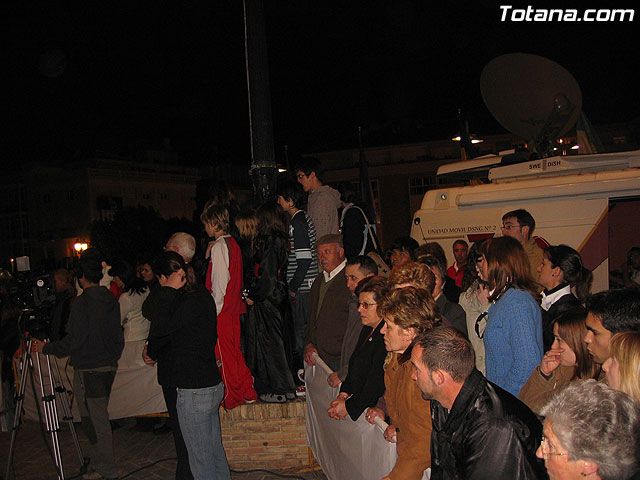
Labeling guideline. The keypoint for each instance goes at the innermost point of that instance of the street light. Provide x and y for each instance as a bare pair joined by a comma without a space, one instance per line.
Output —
80,247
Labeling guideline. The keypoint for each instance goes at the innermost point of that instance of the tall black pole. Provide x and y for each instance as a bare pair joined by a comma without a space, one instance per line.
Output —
263,165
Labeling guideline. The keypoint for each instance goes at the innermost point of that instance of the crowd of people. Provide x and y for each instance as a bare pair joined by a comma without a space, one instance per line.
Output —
496,366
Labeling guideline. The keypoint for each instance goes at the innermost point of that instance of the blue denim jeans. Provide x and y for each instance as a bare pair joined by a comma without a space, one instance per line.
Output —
200,425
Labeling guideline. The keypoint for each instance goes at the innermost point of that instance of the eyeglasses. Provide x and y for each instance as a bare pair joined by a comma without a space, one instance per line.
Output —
544,446
510,226
300,175
366,305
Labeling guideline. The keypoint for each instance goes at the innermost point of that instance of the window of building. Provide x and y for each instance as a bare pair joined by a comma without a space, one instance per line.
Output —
164,196
146,196
420,185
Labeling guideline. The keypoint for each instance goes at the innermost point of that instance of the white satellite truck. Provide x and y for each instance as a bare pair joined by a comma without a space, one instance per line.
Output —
584,201
569,197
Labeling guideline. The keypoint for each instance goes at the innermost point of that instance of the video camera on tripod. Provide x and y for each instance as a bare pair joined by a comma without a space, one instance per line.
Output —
34,295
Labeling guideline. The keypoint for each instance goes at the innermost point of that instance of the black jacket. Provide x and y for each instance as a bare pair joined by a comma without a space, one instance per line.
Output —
488,434
454,314
183,336
95,338
365,380
566,303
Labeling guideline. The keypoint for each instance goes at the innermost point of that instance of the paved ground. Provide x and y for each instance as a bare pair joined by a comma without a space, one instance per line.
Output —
140,455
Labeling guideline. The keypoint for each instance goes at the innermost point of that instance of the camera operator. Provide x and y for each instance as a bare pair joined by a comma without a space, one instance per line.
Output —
65,292
94,342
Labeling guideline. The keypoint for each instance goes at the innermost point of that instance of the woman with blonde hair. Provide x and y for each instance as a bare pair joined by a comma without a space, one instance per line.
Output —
513,337
623,367
407,312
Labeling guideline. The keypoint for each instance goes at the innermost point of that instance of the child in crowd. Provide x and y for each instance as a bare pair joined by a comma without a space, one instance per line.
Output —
224,282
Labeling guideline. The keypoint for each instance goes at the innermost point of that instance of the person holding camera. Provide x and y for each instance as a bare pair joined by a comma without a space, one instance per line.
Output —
94,342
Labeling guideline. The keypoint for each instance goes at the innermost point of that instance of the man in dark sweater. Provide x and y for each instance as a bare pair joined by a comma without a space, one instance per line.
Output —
328,304
94,343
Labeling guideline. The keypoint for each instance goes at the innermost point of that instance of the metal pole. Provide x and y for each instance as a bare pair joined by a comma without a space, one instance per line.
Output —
263,166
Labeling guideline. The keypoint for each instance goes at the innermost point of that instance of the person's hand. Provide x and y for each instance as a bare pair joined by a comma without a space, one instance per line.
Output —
37,345
550,361
309,350
249,301
390,434
176,280
146,358
334,380
338,409
292,294
372,413
482,292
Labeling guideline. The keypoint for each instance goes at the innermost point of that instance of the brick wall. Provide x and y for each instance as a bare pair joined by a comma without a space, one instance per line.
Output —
263,435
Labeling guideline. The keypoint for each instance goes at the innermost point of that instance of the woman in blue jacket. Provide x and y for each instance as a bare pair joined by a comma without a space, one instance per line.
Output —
513,337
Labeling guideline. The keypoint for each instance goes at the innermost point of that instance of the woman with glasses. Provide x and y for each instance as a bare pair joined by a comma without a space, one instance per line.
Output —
364,384
513,336
623,367
566,361
592,431
561,273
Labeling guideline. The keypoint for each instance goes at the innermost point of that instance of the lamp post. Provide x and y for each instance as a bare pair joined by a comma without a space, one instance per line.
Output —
80,247
263,165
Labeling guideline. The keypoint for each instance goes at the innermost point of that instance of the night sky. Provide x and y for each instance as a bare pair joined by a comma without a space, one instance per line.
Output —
120,77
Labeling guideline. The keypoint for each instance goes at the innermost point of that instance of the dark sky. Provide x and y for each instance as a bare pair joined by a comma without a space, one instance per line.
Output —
122,76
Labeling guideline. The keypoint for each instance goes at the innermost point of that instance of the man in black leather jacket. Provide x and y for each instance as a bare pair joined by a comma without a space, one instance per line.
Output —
479,430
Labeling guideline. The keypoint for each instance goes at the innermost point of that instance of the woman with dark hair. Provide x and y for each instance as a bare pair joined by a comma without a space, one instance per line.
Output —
474,301
566,361
364,384
560,273
268,329
513,337
247,225
182,337
131,368
134,293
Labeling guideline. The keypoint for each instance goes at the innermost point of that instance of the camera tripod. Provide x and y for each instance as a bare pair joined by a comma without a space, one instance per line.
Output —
51,420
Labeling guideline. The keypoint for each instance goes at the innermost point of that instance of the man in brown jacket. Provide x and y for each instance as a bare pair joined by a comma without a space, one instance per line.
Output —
328,304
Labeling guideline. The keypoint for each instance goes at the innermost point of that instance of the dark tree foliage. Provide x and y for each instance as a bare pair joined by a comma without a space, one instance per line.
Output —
135,233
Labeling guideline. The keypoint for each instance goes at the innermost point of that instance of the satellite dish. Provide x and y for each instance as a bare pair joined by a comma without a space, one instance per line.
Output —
532,97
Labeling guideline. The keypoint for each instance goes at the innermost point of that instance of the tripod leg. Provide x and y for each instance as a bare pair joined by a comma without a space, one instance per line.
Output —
26,363
51,416
57,382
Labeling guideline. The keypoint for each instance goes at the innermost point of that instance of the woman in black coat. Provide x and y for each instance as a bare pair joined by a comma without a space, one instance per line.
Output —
365,381
268,329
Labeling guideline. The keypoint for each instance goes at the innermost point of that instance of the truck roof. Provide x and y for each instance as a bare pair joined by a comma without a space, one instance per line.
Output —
559,165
